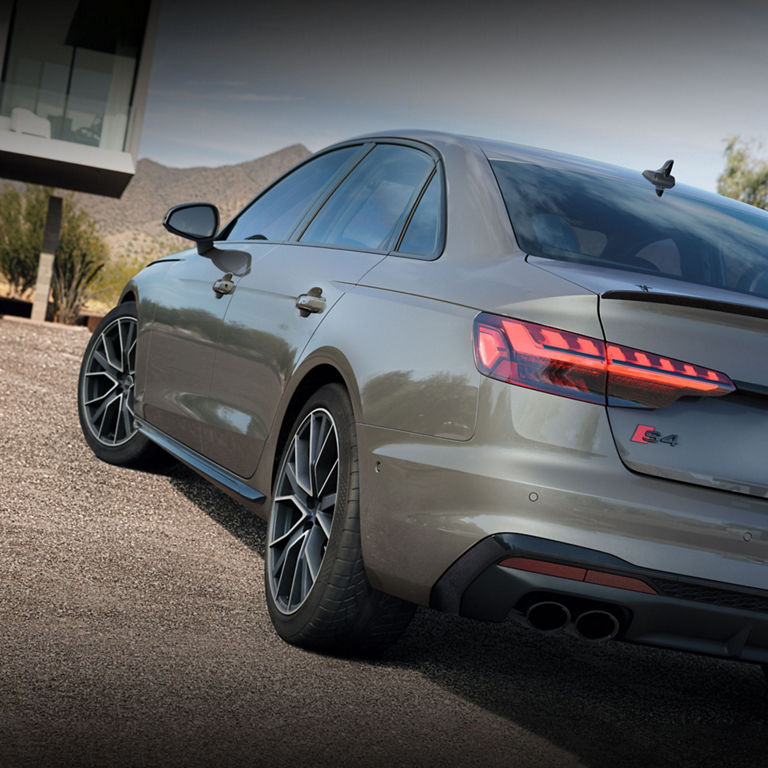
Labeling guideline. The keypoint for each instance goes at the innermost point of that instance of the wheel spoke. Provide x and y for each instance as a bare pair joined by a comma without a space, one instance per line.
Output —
301,464
298,572
121,345
324,521
290,475
100,412
129,345
328,476
314,550
322,442
127,417
103,361
106,406
109,354
297,536
290,532
104,394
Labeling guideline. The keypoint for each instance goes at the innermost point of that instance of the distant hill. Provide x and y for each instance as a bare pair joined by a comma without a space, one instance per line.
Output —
132,225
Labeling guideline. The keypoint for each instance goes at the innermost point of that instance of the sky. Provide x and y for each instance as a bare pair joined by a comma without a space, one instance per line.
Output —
632,84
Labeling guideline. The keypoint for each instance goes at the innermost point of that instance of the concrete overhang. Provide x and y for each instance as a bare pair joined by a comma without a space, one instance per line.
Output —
64,164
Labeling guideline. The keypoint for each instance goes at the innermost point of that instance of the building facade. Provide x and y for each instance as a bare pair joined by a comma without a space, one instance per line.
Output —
73,87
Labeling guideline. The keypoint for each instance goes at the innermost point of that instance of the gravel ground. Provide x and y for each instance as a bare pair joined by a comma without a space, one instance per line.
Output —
133,632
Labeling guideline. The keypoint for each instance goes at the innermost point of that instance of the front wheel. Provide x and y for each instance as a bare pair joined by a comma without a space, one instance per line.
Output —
105,393
317,591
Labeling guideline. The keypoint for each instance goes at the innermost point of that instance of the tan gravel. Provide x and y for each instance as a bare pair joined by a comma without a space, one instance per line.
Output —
133,632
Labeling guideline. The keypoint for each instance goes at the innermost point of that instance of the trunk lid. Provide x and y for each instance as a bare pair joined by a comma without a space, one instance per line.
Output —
719,442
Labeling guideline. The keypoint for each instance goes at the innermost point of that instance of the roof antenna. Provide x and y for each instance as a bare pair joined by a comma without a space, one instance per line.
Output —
662,178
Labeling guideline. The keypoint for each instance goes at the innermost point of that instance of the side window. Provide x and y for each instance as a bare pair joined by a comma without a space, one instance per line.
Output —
371,204
423,230
273,215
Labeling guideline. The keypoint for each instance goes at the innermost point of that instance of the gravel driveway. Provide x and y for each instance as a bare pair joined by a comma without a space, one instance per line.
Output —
133,632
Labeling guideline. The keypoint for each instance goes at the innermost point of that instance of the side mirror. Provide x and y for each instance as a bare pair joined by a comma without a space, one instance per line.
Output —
195,221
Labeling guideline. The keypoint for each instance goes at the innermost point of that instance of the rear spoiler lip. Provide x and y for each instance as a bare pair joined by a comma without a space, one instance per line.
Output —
681,300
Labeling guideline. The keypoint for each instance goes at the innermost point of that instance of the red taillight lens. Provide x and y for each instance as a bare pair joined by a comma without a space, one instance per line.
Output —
655,381
538,357
581,367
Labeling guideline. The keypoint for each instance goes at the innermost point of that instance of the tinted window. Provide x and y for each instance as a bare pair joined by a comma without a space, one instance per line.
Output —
273,215
421,236
618,221
370,205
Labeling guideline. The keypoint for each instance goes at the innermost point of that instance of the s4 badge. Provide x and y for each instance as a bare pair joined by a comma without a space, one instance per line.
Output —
645,433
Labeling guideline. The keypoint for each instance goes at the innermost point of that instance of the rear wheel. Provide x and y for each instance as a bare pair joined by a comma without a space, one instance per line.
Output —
105,393
317,592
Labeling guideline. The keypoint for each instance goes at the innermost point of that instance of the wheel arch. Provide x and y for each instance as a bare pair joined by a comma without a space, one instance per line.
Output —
311,375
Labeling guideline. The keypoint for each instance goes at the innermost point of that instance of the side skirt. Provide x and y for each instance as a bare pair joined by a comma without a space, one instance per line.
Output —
205,467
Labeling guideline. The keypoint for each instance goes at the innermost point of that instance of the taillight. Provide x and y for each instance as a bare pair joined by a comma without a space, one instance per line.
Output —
584,368
655,381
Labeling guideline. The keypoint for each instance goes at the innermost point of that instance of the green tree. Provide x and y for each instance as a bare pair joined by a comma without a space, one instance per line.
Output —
22,221
745,176
79,258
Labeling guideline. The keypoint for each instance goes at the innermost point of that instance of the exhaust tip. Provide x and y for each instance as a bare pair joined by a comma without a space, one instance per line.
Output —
597,625
548,616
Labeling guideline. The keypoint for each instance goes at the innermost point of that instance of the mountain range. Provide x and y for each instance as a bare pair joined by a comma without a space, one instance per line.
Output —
132,224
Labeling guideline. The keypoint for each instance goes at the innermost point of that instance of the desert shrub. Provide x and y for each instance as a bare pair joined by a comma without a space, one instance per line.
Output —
22,221
80,255
112,278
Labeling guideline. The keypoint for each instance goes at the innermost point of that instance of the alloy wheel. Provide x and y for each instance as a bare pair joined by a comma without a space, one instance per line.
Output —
302,512
108,384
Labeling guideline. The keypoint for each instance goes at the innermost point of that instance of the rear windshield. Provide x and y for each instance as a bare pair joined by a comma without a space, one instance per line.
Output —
620,222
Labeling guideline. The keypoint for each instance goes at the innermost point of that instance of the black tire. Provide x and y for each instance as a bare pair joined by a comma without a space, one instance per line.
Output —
105,394
334,609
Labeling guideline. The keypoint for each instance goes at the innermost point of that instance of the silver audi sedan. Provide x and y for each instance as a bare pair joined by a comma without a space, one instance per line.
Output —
451,372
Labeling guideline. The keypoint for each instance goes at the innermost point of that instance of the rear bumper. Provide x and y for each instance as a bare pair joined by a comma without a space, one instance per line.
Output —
674,612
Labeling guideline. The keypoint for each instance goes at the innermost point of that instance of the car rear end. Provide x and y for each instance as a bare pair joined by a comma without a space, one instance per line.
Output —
623,475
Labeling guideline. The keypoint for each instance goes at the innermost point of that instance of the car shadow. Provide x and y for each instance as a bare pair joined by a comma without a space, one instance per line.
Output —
613,705
248,527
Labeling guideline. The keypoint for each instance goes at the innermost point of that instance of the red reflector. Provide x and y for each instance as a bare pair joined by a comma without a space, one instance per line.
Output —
585,368
541,566
622,582
578,574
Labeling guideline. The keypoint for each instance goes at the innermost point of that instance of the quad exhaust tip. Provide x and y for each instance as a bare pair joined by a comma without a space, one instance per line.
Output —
548,616
596,625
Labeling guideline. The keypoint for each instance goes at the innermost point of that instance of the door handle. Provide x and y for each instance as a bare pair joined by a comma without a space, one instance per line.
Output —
224,285
312,301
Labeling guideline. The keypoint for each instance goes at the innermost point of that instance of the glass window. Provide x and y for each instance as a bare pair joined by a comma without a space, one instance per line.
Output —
371,204
274,214
423,229
70,68
619,222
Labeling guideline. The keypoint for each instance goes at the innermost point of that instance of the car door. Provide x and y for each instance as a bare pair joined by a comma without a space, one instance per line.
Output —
188,305
290,291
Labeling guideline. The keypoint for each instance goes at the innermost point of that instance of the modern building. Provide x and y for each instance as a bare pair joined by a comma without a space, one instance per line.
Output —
73,86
